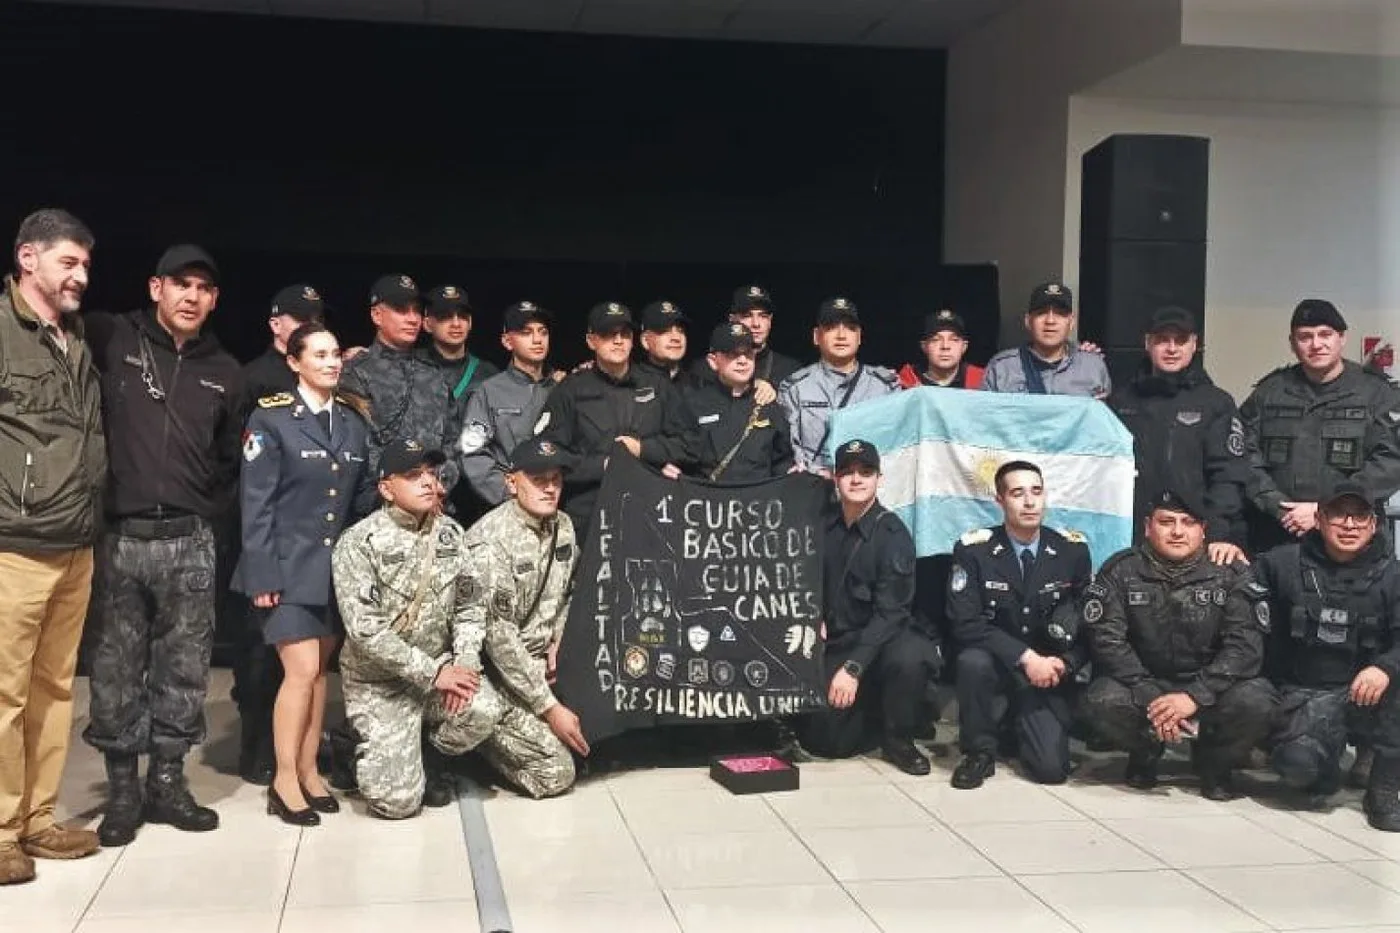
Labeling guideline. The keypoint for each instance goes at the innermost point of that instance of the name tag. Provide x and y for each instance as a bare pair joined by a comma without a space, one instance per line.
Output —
1137,599
998,585
816,404
507,411
353,458
313,455
212,385
707,419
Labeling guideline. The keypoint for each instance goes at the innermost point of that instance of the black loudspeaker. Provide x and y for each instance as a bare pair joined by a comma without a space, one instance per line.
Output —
1142,241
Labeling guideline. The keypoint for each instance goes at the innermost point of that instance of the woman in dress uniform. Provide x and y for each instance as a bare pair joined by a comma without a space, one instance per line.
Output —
305,478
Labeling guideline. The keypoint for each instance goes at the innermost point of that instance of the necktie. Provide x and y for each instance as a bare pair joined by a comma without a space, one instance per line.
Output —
325,418
1027,562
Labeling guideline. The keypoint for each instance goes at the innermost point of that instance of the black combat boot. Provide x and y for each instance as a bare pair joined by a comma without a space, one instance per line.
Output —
122,816
344,742
1142,767
440,789
1360,774
168,798
1382,800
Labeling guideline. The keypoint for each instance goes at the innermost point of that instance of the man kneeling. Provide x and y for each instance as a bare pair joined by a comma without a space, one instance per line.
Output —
412,650
523,555
1177,645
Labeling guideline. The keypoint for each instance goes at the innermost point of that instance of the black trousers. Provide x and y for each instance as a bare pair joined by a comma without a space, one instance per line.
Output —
1239,720
1311,728
1040,718
888,703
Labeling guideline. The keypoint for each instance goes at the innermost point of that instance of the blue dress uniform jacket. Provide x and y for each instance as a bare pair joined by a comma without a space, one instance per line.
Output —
299,489
992,607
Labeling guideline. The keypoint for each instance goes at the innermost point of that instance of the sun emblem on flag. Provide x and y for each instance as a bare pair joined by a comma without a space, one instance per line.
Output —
984,472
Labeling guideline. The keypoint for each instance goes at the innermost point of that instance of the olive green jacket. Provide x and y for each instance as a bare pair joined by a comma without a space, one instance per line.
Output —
53,454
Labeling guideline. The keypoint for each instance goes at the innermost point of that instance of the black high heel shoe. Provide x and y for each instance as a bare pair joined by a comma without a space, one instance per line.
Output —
277,807
326,804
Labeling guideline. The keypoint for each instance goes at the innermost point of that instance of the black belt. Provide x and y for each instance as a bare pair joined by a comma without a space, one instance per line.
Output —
158,529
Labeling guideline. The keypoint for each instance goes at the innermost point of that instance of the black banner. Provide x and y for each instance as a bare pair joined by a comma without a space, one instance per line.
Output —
695,603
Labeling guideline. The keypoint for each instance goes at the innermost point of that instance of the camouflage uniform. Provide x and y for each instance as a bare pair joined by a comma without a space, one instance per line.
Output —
408,397
522,613
390,660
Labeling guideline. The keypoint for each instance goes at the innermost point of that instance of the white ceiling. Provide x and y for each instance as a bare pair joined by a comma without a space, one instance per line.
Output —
903,23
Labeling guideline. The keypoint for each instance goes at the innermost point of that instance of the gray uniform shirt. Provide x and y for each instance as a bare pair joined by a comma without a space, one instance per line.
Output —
1079,373
501,413
811,394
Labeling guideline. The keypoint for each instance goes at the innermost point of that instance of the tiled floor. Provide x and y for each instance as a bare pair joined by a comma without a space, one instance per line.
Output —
860,848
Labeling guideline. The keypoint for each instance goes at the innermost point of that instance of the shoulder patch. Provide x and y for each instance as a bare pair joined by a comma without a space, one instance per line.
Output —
280,400
976,536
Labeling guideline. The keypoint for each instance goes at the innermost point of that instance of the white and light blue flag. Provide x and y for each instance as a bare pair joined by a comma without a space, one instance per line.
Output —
940,448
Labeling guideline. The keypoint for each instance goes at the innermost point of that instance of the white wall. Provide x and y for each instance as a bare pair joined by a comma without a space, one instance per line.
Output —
1352,27
1304,202
1009,84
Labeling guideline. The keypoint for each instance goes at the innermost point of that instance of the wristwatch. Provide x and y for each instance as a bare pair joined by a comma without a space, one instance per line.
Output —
853,668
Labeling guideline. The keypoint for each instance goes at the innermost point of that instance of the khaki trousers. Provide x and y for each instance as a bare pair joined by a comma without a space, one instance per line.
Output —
43,601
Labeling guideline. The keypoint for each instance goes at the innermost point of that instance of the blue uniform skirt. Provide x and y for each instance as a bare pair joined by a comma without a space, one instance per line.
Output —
292,622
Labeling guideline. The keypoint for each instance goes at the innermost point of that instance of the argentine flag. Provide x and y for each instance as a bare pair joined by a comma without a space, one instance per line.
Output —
940,448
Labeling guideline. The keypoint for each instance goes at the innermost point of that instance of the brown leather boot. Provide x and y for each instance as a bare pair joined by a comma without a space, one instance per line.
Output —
15,866
60,842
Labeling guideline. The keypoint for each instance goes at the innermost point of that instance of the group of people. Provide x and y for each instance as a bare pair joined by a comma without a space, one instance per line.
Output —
428,509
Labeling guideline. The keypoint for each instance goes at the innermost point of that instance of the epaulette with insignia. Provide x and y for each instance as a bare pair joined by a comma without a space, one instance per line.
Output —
1069,534
280,400
798,376
976,536
887,376
1255,590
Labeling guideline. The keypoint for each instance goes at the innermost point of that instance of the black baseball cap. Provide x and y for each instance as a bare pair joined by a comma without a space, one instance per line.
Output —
1315,312
609,317
857,453
396,291
1172,318
939,321
537,456
405,455
302,303
837,311
1347,489
662,316
1179,500
747,297
524,312
446,300
1050,295
730,338
187,256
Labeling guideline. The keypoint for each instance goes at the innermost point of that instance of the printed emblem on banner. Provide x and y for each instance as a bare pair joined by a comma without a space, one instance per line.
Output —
756,673
1189,418
727,634
665,665
959,582
1093,611
723,673
698,637
634,662
652,632
801,638
698,671
252,445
